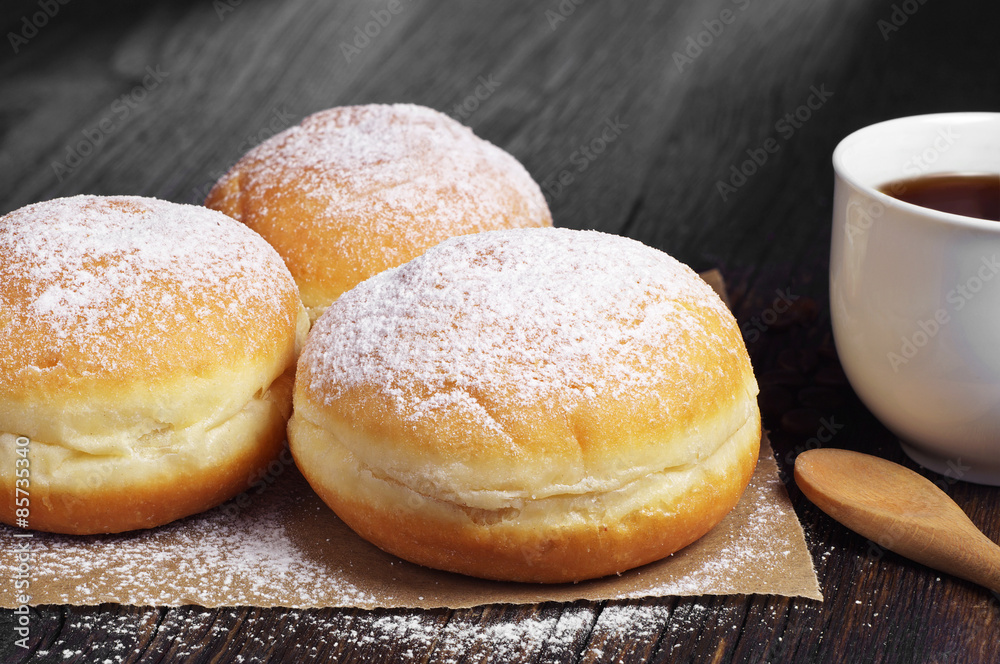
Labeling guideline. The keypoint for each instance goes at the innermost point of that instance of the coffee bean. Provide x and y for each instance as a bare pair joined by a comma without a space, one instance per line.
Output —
831,375
822,398
827,349
798,360
774,400
801,311
806,309
801,421
785,319
782,377
808,360
788,359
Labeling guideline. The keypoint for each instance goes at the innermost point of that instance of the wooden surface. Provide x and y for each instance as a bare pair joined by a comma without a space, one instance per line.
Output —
224,75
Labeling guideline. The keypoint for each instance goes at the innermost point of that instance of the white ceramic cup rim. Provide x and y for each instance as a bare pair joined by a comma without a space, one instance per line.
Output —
930,214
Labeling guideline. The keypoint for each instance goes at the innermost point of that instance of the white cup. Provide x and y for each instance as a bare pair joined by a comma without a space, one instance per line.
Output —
915,293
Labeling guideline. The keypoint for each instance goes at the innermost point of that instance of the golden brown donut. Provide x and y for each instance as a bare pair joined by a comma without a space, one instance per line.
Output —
541,405
147,352
354,190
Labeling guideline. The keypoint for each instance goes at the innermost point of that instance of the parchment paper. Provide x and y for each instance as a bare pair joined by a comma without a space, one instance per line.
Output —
279,545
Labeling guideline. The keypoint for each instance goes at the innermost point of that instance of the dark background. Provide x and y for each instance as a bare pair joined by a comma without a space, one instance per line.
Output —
232,72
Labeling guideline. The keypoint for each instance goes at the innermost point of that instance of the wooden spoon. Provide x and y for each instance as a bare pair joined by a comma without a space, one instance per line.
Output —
900,511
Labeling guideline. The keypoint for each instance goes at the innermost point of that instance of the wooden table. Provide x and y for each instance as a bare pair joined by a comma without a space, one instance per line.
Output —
159,98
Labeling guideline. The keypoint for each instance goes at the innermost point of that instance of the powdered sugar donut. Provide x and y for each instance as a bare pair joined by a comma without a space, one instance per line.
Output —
539,405
147,353
354,190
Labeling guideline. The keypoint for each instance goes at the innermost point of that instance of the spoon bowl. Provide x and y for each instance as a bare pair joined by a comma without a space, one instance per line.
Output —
899,510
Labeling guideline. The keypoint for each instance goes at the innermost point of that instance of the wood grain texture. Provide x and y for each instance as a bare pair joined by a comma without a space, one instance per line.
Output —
219,81
900,510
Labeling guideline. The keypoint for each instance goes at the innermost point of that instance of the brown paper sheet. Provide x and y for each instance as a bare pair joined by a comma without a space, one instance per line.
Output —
279,545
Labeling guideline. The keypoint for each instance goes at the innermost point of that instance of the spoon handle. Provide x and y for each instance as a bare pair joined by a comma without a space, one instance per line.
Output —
983,563
900,511
960,549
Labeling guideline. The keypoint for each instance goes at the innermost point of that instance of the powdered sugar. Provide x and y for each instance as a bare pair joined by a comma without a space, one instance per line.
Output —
573,632
739,558
240,553
278,545
453,641
531,314
385,158
371,186
83,272
567,632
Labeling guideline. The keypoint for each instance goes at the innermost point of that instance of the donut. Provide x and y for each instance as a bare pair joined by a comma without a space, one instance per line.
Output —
147,356
354,190
537,405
